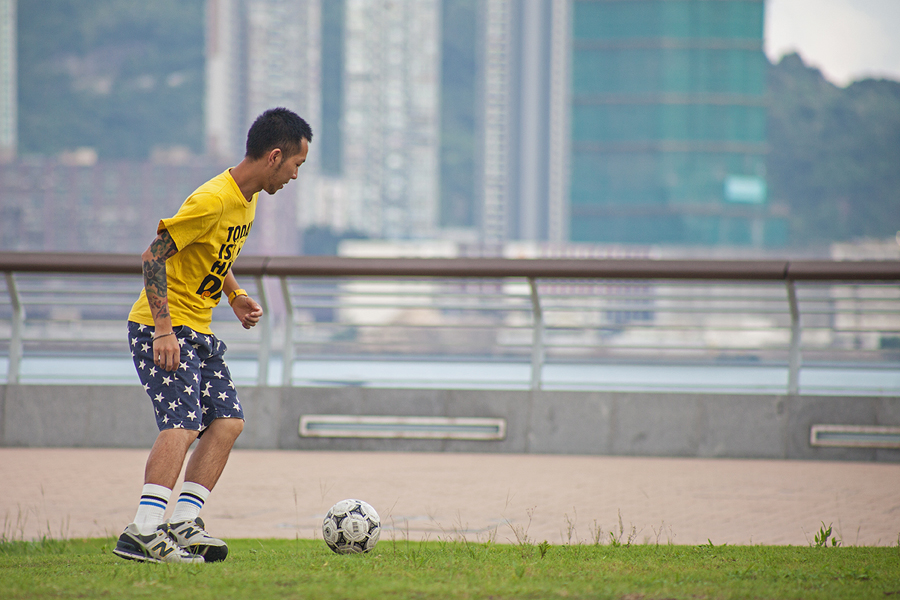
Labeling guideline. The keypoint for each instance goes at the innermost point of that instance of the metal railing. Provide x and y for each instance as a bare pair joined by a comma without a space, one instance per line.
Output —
536,312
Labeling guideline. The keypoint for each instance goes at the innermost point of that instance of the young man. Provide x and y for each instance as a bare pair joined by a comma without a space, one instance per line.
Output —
187,270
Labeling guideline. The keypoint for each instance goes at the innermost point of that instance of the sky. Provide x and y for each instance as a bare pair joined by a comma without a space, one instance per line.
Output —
847,40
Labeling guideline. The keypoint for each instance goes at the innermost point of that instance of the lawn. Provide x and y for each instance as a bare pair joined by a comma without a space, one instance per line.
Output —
269,569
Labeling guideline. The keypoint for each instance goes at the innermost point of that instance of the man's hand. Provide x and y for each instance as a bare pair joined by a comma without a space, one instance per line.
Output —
247,311
166,352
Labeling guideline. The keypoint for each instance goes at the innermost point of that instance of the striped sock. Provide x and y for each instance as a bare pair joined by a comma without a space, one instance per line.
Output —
190,501
152,508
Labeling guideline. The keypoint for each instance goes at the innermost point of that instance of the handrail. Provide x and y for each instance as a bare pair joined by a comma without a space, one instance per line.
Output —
283,267
555,268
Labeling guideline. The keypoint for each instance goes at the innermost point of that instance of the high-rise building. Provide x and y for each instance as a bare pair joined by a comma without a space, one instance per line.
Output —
263,54
8,87
390,124
668,123
524,129
377,172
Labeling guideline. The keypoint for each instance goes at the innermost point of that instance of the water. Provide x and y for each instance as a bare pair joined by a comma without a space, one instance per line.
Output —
738,379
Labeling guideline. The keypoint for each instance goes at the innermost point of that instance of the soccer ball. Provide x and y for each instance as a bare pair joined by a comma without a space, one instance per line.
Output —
351,526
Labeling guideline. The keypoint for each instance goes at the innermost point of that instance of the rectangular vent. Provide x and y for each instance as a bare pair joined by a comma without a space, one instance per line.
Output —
855,436
432,428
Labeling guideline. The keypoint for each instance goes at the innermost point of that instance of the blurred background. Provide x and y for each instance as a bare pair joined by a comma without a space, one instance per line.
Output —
520,128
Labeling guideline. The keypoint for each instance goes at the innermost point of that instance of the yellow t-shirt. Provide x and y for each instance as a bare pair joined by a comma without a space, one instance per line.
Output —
209,229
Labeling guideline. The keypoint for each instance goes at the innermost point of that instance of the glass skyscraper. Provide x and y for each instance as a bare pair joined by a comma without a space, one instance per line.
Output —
668,123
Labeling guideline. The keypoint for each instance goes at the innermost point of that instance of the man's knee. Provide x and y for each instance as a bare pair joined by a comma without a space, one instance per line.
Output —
229,427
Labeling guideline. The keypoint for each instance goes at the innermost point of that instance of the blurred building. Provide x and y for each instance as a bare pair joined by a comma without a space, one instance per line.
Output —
75,203
524,136
8,87
378,147
668,123
390,124
263,54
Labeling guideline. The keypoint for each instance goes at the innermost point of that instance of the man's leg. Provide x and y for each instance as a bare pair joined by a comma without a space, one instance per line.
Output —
203,471
167,456
209,457
146,538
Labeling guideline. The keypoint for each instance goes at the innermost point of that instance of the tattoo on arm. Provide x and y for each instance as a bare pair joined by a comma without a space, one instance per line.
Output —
155,283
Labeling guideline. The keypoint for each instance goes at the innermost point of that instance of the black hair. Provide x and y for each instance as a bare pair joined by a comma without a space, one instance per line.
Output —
277,128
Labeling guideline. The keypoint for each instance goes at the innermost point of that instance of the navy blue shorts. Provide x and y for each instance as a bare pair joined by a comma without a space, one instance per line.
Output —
195,394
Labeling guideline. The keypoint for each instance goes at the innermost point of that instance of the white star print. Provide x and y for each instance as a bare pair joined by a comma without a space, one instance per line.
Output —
178,426
231,384
133,341
202,363
167,380
190,354
219,374
183,366
152,371
193,334
189,390
165,418
145,348
196,378
206,393
192,416
173,404
146,387
142,364
237,406
158,398
204,409
142,327
223,395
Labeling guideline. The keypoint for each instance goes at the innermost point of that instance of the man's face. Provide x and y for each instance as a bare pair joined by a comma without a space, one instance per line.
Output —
284,168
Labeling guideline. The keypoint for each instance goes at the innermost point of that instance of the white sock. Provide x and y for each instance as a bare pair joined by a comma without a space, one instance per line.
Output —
190,501
152,508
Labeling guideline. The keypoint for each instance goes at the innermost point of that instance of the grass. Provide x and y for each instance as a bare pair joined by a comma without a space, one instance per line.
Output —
284,569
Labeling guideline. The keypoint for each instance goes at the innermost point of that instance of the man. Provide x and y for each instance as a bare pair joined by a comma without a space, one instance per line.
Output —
187,270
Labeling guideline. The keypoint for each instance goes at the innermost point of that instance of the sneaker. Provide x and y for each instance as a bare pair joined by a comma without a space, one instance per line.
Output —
157,547
192,536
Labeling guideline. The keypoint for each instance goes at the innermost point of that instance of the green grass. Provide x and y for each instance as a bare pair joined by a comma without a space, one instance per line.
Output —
263,569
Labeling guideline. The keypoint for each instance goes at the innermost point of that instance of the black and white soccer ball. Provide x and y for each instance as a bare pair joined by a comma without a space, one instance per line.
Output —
351,526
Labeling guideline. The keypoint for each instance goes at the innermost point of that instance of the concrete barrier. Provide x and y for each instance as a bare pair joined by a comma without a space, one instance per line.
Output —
543,422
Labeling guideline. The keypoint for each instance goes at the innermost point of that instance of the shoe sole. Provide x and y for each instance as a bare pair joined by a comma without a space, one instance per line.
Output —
134,556
130,554
209,553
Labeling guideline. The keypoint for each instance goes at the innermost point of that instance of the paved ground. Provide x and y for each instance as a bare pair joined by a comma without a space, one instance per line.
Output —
92,493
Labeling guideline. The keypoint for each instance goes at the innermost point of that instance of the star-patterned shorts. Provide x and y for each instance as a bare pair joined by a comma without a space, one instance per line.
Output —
195,394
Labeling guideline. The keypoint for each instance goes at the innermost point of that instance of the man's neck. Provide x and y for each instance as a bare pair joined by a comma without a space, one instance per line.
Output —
247,176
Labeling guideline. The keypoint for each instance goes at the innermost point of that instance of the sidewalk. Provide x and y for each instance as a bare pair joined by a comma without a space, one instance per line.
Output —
561,499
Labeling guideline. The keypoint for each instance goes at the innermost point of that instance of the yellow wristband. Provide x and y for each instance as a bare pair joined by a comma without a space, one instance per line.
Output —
235,294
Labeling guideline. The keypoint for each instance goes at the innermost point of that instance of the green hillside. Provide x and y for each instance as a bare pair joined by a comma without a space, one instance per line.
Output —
117,75
835,154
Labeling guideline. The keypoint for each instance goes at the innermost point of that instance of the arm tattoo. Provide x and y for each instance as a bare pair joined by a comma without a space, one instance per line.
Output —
155,283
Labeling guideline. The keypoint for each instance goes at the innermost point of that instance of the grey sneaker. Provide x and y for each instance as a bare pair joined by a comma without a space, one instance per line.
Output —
192,536
157,547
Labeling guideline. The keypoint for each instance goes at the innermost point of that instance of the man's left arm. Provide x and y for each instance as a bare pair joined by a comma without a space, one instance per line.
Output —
245,308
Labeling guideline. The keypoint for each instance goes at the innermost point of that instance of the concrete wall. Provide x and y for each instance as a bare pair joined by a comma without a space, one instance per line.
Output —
602,423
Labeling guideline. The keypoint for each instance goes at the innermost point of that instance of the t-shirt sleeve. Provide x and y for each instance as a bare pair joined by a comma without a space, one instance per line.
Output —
196,217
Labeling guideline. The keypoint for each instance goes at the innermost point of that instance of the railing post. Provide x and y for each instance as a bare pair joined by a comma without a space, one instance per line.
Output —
265,335
537,336
18,322
794,356
287,353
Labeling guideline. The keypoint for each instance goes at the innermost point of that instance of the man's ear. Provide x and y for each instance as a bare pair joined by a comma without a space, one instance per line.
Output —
274,157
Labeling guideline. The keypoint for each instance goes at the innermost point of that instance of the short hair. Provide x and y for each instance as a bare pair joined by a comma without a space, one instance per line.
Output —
277,128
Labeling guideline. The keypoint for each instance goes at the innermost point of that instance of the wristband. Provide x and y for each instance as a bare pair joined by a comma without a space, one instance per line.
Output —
162,335
235,294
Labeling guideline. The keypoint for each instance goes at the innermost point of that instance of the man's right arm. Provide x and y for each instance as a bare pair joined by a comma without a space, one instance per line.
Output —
166,350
